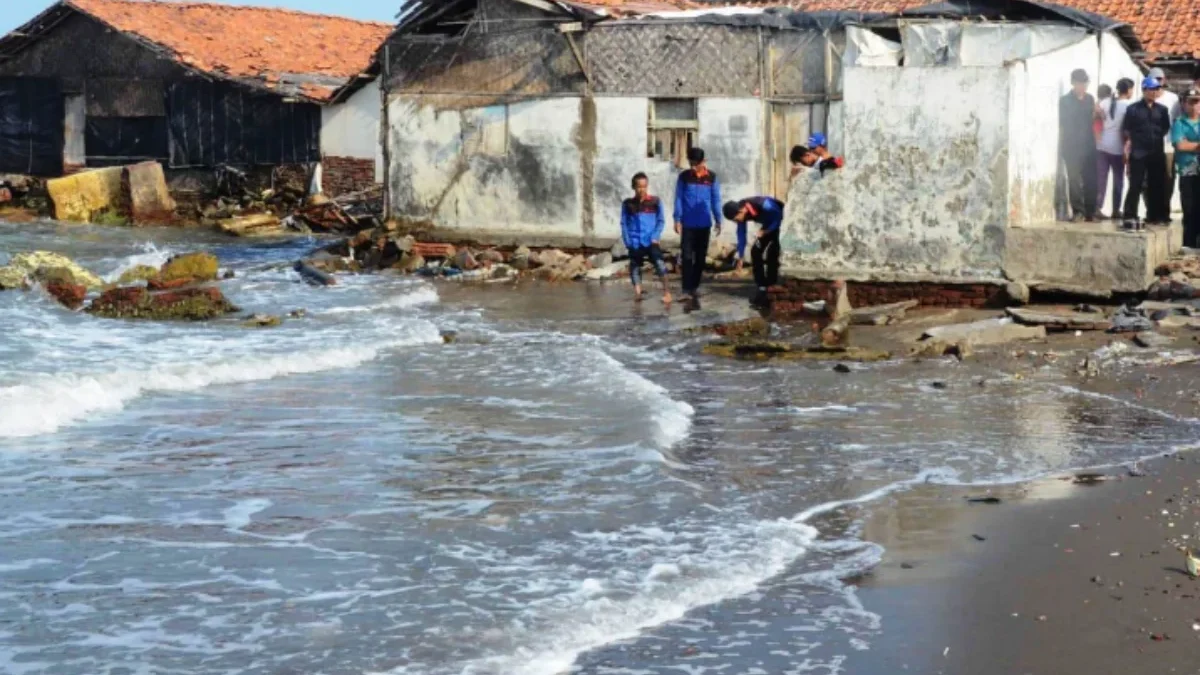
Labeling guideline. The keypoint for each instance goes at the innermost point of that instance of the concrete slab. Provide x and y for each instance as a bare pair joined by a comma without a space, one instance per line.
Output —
986,332
1060,320
1097,256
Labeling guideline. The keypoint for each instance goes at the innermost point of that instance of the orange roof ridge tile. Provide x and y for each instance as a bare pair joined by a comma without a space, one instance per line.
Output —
81,4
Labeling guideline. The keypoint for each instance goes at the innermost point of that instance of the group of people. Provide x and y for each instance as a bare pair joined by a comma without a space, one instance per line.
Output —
698,213
1153,142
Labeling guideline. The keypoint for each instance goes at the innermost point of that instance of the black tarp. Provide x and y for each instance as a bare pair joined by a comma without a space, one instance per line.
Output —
31,126
110,141
212,123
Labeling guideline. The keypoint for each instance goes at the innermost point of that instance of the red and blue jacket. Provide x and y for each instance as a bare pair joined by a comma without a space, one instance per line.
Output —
641,221
698,199
766,211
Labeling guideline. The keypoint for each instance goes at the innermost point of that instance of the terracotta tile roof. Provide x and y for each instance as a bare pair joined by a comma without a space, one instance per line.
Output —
633,7
291,52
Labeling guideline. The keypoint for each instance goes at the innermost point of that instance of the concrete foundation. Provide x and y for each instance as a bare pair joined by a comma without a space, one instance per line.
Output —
1088,255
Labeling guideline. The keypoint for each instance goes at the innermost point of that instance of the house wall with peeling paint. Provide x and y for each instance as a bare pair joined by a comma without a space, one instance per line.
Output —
925,188
553,169
351,128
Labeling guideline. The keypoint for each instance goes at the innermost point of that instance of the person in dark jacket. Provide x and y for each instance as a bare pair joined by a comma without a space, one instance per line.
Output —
642,223
764,256
697,210
1146,122
1077,112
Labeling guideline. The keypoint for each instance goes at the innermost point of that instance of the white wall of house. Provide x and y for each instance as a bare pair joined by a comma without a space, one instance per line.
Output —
924,191
351,128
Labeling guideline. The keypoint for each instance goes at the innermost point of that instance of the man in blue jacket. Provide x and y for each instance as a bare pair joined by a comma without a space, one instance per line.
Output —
642,224
767,212
697,209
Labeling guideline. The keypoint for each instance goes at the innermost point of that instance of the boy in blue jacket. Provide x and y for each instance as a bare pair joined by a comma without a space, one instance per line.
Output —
697,209
642,224
767,212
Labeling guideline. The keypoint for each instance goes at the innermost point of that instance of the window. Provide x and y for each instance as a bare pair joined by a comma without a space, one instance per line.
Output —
672,129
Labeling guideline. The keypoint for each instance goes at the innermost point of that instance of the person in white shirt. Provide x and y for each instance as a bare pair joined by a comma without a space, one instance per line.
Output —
1170,101
1110,146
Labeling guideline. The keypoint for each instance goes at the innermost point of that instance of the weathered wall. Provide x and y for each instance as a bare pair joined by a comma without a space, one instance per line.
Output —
351,129
924,189
1036,84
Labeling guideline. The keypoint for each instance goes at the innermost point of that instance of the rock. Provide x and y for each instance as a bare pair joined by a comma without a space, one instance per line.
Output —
1059,321
1017,293
837,333
984,333
719,252
409,263
79,196
1166,289
1152,340
881,315
841,304
13,278
619,251
609,271
842,368
298,313
137,273
1053,288
571,268
1179,321
465,261
33,262
746,328
228,274
262,321
433,251
248,226
550,257
600,260
69,295
190,304
490,257
520,259
312,275
761,350
149,200
405,244
157,284
195,267
1129,320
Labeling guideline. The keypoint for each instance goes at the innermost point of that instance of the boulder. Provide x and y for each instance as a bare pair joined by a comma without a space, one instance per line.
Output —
465,260
986,332
34,262
195,267
69,295
619,251
520,259
405,244
573,268
313,276
13,277
137,273
81,195
189,304
1167,289
550,257
149,200
253,225
409,263
600,260
1152,340
1017,293
490,257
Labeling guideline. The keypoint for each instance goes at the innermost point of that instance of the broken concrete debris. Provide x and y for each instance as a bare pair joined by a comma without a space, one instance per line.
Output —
881,315
985,332
1058,321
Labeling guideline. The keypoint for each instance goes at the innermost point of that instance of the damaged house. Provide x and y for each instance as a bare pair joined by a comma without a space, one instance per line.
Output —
93,83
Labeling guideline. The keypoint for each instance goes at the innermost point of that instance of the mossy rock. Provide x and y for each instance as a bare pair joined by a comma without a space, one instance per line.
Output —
109,217
34,261
738,330
188,304
138,273
194,266
13,278
763,350
263,321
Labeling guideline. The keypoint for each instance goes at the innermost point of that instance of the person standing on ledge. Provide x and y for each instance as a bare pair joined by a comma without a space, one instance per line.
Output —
1168,100
1146,122
1185,134
1077,146
764,256
697,210
642,223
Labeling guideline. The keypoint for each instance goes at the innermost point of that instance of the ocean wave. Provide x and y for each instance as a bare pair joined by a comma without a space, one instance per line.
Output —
672,418
423,295
150,255
47,404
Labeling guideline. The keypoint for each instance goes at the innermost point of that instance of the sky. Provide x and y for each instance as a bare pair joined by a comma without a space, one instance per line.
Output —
17,12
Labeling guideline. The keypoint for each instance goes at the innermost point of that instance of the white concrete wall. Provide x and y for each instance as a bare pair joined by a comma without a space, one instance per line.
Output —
924,190
351,129
1036,85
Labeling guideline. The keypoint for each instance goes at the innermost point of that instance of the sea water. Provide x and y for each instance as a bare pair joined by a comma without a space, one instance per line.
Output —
567,486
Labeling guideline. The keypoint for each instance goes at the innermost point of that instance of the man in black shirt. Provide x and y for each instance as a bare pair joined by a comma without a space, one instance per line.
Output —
1146,123
1077,146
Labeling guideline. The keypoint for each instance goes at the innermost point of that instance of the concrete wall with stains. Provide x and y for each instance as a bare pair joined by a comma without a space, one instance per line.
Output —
552,170
924,191
351,129
1036,84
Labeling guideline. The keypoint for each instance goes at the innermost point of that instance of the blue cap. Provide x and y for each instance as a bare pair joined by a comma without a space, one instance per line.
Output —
1151,83
817,140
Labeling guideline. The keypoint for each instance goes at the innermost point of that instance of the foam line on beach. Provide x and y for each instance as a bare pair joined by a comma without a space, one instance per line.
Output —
423,295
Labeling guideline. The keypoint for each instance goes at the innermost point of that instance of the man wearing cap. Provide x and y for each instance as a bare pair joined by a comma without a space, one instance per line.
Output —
1168,100
697,209
1145,124
825,159
1077,146
767,212
1185,134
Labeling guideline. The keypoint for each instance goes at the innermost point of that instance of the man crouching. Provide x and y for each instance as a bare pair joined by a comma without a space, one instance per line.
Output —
764,256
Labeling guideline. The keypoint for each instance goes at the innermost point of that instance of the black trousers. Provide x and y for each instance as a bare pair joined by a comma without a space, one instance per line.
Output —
1189,194
1169,191
764,256
1082,183
693,251
1150,173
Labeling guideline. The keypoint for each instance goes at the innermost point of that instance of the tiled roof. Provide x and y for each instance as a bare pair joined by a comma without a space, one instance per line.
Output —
633,7
291,52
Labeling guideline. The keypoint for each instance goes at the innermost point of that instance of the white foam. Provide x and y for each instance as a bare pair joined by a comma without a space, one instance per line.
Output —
672,419
423,295
150,255
241,514
48,403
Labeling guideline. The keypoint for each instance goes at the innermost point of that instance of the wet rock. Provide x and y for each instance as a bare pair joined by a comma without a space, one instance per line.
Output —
405,244
229,274
195,267
550,257
1152,340
331,264
984,333
138,273
298,313
600,260
312,275
490,257
881,315
35,262
609,271
841,304
566,270
259,224
1017,293
1130,320
409,263
150,201
157,284
764,349
465,260
12,278
837,333
68,294
1060,321
741,330
520,258
79,196
189,304
1169,289
262,321
449,337
842,368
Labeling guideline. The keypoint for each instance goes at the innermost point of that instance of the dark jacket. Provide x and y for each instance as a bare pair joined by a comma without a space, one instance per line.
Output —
1075,117
697,199
766,211
641,221
1145,125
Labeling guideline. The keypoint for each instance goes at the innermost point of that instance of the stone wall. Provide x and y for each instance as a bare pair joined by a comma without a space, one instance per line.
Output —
343,175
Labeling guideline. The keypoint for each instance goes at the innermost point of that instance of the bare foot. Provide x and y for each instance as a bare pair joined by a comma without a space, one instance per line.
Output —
666,299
